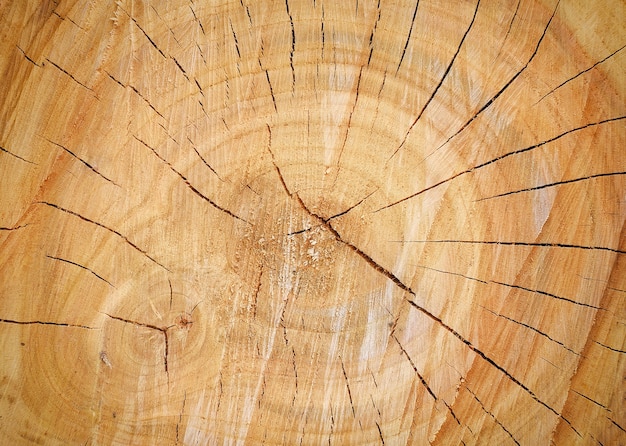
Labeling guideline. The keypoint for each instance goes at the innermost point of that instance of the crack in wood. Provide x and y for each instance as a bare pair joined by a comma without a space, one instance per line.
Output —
162,330
443,78
55,324
89,166
81,266
581,73
2,149
189,185
530,327
506,85
495,419
345,375
408,38
508,243
100,225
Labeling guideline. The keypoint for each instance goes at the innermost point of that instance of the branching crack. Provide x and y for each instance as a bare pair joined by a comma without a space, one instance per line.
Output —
162,330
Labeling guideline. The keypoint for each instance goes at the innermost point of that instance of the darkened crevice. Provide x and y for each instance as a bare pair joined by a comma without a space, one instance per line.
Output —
423,381
189,185
501,157
89,166
83,267
506,85
162,330
508,243
530,327
70,75
557,183
498,422
408,37
56,324
443,78
345,375
581,73
100,225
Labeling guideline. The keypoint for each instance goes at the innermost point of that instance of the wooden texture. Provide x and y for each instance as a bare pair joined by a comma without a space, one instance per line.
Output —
312,222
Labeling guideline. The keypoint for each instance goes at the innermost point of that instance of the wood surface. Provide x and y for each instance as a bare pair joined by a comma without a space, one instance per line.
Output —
312,222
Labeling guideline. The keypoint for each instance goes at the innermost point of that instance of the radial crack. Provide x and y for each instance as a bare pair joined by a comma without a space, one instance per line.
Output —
56,324
443,78
507,85
189,185
83,267
100,225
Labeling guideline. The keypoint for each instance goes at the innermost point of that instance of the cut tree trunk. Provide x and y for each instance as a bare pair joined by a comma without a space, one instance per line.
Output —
313,222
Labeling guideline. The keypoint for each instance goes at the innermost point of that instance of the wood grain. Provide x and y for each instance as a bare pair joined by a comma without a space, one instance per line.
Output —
313,222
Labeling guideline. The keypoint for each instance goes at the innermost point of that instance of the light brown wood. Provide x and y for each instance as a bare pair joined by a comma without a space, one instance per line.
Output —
312,222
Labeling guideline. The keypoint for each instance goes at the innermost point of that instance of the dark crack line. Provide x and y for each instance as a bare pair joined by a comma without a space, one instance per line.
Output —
197,20
371,41
356,99
181,69
388,274
28,58
530,327
17,156
610,348
380,433
137,92
72,77
617,425
56,324
544,293
180,417
452,274
505,243
508,31
493,416
501,157
342,213
162,330
408,38
580,74
203,160
100,225
485,357
14,228
293,47
146,34
423,381
592,400
558,183
89,166
443,78
81,266
189,185
506,86
345,375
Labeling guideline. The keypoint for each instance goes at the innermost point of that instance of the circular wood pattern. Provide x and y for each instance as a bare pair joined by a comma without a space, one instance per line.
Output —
313,222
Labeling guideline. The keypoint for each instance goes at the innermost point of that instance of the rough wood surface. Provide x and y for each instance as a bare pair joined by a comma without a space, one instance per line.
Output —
312,222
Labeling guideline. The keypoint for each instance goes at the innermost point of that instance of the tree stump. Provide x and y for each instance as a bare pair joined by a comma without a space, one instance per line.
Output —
313,222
